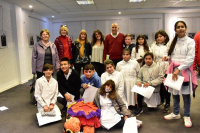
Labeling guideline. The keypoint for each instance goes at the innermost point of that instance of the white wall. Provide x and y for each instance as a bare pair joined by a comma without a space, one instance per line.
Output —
15,60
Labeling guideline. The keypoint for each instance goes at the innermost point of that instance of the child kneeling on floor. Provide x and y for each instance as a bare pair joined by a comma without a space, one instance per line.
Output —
149,75
46,91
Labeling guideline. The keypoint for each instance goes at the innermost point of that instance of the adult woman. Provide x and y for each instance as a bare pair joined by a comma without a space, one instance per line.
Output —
116,76
81,51
181,53
44,52
64,43
97,44
111,105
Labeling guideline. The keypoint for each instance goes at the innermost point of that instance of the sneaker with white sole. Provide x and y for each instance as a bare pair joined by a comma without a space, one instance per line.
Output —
172,116
187,121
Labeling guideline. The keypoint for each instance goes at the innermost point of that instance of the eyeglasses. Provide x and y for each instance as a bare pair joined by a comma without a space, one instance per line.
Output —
63,26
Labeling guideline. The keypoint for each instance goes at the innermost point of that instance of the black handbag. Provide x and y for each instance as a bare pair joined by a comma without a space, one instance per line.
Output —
3,40
32,91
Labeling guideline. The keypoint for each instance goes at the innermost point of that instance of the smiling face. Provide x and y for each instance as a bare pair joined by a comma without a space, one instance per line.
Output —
64,66
148,60
128,40
63,32
45,36
160,38
98,36
110,68
48,73
141,41
88,73
180,29
83,36
126,56
114,28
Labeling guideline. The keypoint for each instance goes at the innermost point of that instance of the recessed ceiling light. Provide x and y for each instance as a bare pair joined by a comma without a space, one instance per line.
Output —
85,2
137,0
119,13
180,10
30,6
52,16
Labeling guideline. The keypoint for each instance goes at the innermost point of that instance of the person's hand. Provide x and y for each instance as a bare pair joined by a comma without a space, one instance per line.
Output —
68,97
175,75
165,58
146,85
46,109
196,72
85,86
51,107
125,117
139,84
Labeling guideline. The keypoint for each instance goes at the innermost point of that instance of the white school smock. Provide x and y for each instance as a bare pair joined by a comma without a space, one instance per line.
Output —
109,116
130,70
46,92
117,77
159,51
183,53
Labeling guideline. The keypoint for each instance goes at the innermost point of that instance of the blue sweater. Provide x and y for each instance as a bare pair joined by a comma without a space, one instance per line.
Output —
95,80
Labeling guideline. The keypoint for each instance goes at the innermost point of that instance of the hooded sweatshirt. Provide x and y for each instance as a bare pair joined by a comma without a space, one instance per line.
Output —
95,80
151,74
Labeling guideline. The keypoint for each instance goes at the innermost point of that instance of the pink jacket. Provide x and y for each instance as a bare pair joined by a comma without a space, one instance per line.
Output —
184,73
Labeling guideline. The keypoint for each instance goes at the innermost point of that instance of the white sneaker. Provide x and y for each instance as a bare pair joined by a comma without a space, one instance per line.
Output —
187,121
172,116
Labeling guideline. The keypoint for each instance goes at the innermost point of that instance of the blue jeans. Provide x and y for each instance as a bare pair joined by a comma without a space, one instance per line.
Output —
187,102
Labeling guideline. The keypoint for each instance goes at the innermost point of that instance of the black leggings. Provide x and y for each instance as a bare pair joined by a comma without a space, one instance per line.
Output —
139,100
120,123
164,94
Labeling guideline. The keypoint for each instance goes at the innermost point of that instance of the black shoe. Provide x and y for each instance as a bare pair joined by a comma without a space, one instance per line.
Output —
138,111
166,108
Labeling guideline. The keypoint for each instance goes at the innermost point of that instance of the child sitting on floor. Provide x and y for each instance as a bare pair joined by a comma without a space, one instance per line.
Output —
149,75
89,77
46,90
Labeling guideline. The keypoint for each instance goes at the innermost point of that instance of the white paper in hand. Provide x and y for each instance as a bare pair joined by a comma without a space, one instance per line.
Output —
89,94
174,84
146,92
72,97
130,125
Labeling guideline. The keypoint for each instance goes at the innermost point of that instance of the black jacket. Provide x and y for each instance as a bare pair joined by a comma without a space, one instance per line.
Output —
72,85
87,53
130,46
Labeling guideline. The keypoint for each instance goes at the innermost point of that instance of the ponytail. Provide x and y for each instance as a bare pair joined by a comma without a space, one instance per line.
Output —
173,44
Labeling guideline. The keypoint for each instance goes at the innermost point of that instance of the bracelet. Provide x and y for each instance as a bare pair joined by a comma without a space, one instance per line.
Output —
52,104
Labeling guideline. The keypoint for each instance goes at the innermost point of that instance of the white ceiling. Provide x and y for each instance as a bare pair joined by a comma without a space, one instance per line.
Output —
70,8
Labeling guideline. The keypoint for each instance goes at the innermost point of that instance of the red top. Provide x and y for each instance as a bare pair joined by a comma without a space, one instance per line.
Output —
197,51
113,46
64,41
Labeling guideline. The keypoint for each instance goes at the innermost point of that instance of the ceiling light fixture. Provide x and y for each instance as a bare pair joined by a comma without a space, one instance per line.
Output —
30,6
119,13
137,0
85,2
180,10
52,16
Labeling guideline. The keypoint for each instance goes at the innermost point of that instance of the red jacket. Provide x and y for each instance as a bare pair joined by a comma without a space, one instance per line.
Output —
60,48
197,51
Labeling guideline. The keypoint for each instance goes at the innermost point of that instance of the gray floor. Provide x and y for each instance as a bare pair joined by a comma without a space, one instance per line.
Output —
21,118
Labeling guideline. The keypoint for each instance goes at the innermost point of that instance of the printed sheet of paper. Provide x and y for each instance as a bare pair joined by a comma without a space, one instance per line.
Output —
130,125
146,92
42,120
174,84
72,97
89,94
3,108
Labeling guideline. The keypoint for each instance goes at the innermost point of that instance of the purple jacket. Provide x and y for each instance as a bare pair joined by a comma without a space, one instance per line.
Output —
38,57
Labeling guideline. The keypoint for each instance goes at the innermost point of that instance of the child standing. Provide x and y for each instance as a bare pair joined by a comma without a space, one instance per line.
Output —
89,77
81,51
46,90
181,53
140,49
129,68
149,75
159,50
128,39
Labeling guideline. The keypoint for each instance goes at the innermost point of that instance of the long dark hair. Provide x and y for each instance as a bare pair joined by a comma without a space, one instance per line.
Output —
146,46
112,94
94,40
173,44
163,33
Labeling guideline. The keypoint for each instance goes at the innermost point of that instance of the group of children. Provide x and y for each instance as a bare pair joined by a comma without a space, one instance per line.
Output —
140,65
